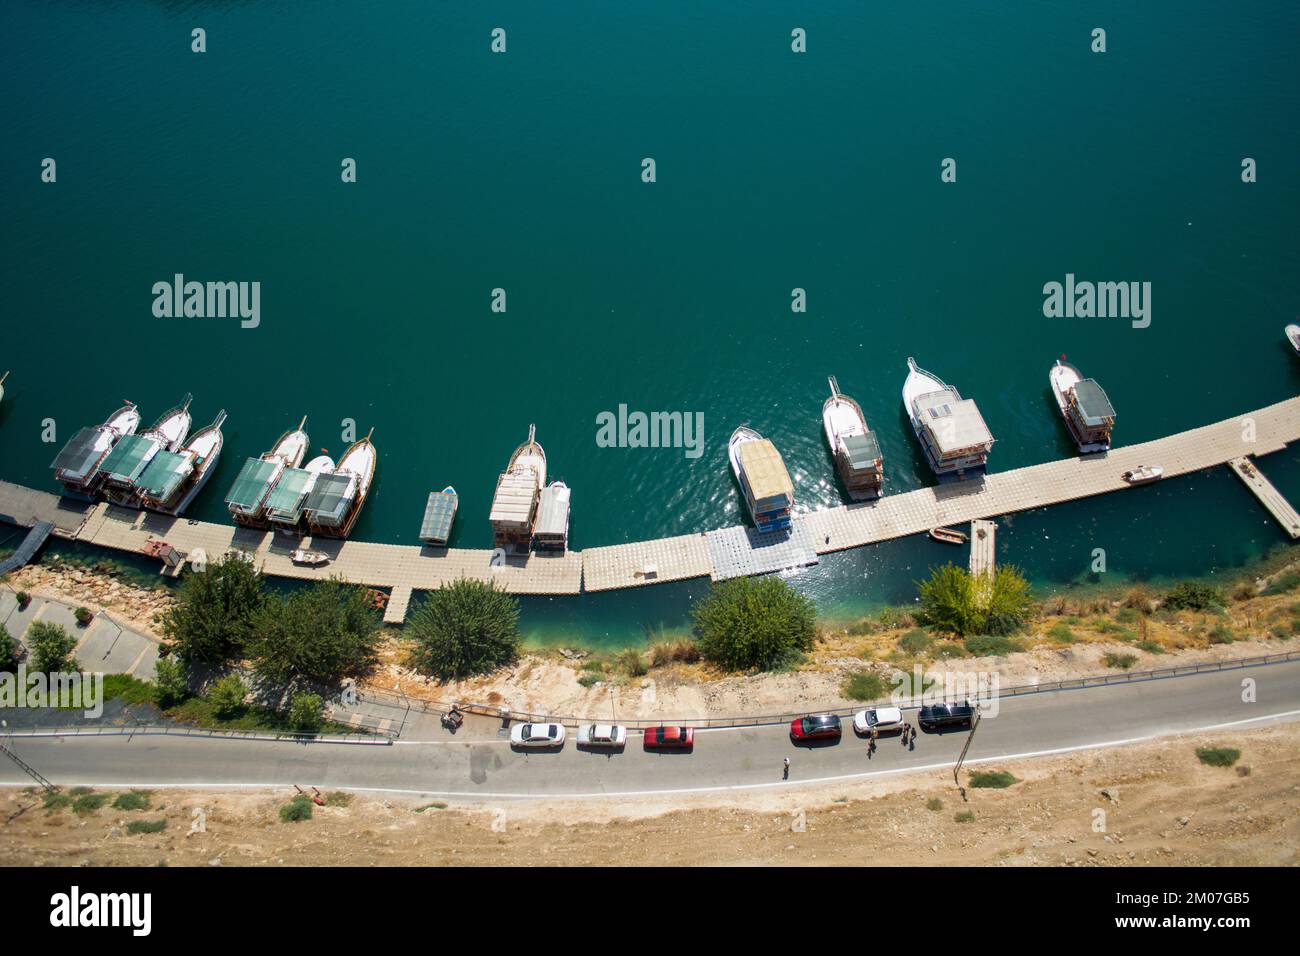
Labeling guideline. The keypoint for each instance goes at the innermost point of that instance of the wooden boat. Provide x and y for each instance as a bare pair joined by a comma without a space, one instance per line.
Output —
303,556
949,535
1084,406
1143,473
761,472
950,428
552,530
77,465
246,501
172,478
132,454
284,506
1293,336
439,516
854,448
519,488
337,497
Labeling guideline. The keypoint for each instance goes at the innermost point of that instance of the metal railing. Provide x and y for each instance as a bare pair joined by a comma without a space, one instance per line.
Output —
129,730
504,713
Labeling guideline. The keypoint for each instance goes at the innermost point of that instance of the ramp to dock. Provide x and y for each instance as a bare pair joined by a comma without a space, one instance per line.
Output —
398,602
742,551
1268,495
983,547
34,539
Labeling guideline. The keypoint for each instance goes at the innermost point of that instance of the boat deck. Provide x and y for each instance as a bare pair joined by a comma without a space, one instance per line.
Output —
1268,495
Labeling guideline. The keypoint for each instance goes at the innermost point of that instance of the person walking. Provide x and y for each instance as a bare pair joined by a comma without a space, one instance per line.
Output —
785,770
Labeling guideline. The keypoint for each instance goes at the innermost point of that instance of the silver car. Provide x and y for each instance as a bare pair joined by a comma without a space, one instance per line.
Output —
537,735
602,735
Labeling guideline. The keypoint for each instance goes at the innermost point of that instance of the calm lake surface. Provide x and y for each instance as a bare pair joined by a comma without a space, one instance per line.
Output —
775,171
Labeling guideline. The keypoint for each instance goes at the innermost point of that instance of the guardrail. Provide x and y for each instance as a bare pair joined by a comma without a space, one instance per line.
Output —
506,714
127,730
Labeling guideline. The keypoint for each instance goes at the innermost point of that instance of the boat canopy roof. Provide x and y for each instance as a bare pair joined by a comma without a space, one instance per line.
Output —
765,470
1094,406
250,485
439,514
286,500
128,458
83,451
330,497
553,512
165,472
513,502
955,423
864,450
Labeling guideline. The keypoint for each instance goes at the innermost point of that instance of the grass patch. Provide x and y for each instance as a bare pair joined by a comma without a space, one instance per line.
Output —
201,712
1286,581
338,798
965,816
299,808
681,651
1126,615
87,803
864,685
934,803
56,801
135,800
992,645
1150,646
1121,661
1061,634
1218,756
1222,634
947,650
992,780
915,642
431,806
590,680
136,827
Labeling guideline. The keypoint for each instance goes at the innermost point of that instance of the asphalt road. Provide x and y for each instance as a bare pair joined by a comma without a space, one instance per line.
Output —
477,763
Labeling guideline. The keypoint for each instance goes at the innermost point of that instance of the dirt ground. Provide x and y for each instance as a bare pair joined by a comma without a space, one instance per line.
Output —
1147,804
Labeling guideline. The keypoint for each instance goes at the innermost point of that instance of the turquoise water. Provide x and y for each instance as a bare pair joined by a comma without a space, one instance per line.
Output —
775,171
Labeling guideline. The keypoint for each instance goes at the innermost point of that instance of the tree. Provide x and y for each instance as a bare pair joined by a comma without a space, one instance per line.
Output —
465,628
318,635
953,600
227,696
306,713
753,623
1193,596
8,650
210,622
172,679
52,648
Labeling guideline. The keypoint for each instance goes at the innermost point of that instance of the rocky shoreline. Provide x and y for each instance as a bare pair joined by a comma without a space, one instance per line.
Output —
139,606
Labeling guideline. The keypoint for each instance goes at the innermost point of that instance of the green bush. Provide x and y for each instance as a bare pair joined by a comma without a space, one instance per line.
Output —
753,623
955,601
946,650
1222,634
1193,596
87,803
864,685
590,679
1121,661
1218,756
8,650
171,678
681,651
630,661
227,696
465,628
965,816
992,780
934,803
83,616
915,641
136,827
297,809
1286,581
306,713
992,645
1150,646
211,620
318,635
51,647
1062,634
135,800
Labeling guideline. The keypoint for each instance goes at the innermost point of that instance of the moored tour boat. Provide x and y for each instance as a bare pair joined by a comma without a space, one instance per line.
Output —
172,478
950,428
1143,473
761,472
337,497
77,465
439,516
519,488
1084,406
132,454
854,447
248,496
284,506
1293,336
552,530
2,385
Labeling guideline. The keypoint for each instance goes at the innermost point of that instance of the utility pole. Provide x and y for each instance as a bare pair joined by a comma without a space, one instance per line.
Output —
27,768
975,722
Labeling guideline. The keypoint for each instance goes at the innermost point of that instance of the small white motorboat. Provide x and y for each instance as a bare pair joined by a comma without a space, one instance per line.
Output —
1143,473
1293,336
303,556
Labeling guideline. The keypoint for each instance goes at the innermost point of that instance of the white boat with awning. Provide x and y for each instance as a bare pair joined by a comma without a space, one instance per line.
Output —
951,430
284,506
247,499
336,497
514,504
132,454
77,465
853,445
172,479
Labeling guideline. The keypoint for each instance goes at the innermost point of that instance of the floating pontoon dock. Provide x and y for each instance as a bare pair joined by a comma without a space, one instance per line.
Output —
983,547
405,569
1268,495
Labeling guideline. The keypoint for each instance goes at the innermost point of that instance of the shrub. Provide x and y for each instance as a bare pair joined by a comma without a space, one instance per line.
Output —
227,696
297,809
318,635
86,803
753,623
210,622
681,651
631,662
465,628
965,816
51,647
992,645
1150,646
1193,596
915,641
136,827
1139,599
8,650
892,618
590,680
952,600
945,650
306,713
1222,634
23,598
1121,661
992,779
1218,756
338,798
1062,634
864,685
135,800
1286,581
171,678
934,803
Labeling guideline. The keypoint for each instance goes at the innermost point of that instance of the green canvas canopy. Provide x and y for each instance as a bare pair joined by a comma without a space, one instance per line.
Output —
165,472
1094,406
82,452
286,500
864,450
330,498
128,458
439,513
251,485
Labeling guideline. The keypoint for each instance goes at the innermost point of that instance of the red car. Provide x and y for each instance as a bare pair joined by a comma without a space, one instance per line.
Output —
669,738
815,727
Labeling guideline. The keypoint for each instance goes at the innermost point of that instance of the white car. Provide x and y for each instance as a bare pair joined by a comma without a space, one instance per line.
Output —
537,735
880,719
602,735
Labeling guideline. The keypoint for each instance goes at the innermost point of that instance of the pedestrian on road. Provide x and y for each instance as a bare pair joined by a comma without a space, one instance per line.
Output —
785,775
907,728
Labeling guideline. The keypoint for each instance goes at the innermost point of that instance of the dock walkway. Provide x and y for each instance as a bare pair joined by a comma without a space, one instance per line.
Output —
1268,495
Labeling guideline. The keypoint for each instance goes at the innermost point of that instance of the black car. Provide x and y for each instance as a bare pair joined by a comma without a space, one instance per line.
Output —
939,716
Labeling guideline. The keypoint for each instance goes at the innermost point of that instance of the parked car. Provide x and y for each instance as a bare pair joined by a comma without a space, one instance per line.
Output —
939,716
882,720
537,735
669,738
602,735
815,727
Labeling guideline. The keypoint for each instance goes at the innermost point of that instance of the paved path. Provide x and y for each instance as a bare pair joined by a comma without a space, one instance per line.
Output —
104,646
478,764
